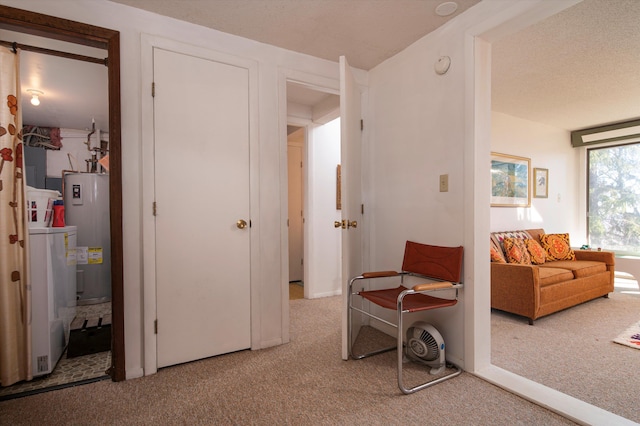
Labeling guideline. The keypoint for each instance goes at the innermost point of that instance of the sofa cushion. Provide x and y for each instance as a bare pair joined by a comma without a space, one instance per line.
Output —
516,251
557,247
550,275
536,252
579,268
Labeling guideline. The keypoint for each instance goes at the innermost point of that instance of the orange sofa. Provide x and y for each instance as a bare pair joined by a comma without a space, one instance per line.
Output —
534,291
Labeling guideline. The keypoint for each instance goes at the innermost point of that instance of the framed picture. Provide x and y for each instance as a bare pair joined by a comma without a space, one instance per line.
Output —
510,181
540,183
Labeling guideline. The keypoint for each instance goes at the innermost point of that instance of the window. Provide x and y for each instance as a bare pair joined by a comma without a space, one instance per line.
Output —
614,198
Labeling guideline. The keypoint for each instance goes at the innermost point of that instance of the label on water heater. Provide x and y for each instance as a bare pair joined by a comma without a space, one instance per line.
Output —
82,255
95,255
76,194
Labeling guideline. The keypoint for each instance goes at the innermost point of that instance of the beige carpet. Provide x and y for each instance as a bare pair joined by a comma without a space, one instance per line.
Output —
301,383
573,351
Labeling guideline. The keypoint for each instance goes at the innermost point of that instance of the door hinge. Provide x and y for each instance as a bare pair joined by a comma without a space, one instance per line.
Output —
155,210
302,261
155,326
153,89
361,208
361,124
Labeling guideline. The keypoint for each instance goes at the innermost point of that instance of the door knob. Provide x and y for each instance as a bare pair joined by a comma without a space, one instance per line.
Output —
338,224
352,224
241,224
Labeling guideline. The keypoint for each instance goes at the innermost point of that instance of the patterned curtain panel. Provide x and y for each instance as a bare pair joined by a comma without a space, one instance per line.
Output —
15,296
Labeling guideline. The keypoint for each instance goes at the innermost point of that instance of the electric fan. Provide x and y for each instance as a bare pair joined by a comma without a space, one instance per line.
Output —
425,345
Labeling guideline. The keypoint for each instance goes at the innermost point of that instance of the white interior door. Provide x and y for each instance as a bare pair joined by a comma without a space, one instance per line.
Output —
201,130
351,157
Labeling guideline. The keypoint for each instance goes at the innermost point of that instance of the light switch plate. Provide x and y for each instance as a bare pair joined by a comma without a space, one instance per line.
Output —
444,183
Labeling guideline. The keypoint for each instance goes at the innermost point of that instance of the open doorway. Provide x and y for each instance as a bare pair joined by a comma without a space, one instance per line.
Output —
82,34
313,152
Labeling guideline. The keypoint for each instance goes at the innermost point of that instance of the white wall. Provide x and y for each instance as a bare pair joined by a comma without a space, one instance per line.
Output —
324,243
417,133
549,148
269,216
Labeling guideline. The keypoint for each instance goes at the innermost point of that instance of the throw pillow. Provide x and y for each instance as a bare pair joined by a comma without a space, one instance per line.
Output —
497,238
536,252
516,251
496,257
557,246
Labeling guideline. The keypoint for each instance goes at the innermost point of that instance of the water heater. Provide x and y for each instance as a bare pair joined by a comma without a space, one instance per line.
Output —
86,204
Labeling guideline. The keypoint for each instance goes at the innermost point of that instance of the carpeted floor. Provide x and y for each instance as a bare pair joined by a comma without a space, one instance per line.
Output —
302,382
573,351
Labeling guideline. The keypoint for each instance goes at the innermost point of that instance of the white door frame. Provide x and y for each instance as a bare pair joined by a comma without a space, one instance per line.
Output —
148,43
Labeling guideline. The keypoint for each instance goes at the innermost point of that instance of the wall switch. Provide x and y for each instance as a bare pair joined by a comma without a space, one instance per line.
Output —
444,183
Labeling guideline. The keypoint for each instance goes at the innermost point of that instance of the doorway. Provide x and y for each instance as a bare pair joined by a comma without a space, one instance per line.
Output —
23,21
313,158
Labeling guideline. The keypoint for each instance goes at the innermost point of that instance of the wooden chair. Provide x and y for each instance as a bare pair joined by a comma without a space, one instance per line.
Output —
440,265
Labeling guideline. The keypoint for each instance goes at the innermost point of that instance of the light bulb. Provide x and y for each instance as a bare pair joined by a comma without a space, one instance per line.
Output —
35,96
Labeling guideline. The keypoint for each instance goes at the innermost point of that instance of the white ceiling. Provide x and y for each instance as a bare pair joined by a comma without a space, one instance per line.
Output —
577,69
75,92
366,31
574,70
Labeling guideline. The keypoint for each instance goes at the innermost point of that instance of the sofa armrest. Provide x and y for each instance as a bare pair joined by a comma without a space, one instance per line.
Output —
607,257
515,288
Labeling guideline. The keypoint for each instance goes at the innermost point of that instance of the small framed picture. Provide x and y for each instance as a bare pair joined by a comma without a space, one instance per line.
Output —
540,183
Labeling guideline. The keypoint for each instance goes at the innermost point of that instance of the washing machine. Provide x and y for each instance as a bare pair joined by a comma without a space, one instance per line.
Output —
53,293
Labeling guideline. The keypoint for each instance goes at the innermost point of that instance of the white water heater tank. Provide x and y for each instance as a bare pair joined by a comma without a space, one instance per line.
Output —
86,205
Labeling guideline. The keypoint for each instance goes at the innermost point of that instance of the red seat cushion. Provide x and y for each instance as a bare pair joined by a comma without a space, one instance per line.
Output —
388,298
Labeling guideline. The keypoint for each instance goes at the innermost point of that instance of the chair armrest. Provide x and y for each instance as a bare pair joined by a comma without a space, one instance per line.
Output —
380,274
432,286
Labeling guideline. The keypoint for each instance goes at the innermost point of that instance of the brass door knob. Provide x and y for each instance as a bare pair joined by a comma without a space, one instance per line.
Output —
352,224
241,224
338,224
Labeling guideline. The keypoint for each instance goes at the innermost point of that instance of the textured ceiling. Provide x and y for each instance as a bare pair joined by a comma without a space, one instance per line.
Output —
366,31
577,69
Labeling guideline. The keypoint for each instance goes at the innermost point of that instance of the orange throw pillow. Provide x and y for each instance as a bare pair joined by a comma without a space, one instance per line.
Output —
495,256
557,247
536,252
516,251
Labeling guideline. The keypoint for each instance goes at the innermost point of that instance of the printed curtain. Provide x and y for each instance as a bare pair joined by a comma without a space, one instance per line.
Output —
15,293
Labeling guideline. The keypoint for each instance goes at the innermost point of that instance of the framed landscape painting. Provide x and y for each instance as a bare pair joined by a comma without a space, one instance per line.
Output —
510,176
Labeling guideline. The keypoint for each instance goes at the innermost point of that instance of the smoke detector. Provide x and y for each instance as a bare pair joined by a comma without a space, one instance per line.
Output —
446,8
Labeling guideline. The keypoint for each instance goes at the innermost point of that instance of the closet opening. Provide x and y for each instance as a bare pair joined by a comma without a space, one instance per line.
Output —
33,25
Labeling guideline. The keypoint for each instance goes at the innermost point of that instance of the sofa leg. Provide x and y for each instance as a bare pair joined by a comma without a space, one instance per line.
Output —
530,321
606,296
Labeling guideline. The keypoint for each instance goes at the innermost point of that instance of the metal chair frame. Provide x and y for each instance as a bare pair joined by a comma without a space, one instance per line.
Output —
401,309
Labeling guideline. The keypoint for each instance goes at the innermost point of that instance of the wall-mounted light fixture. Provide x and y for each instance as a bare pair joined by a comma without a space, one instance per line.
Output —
35,96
